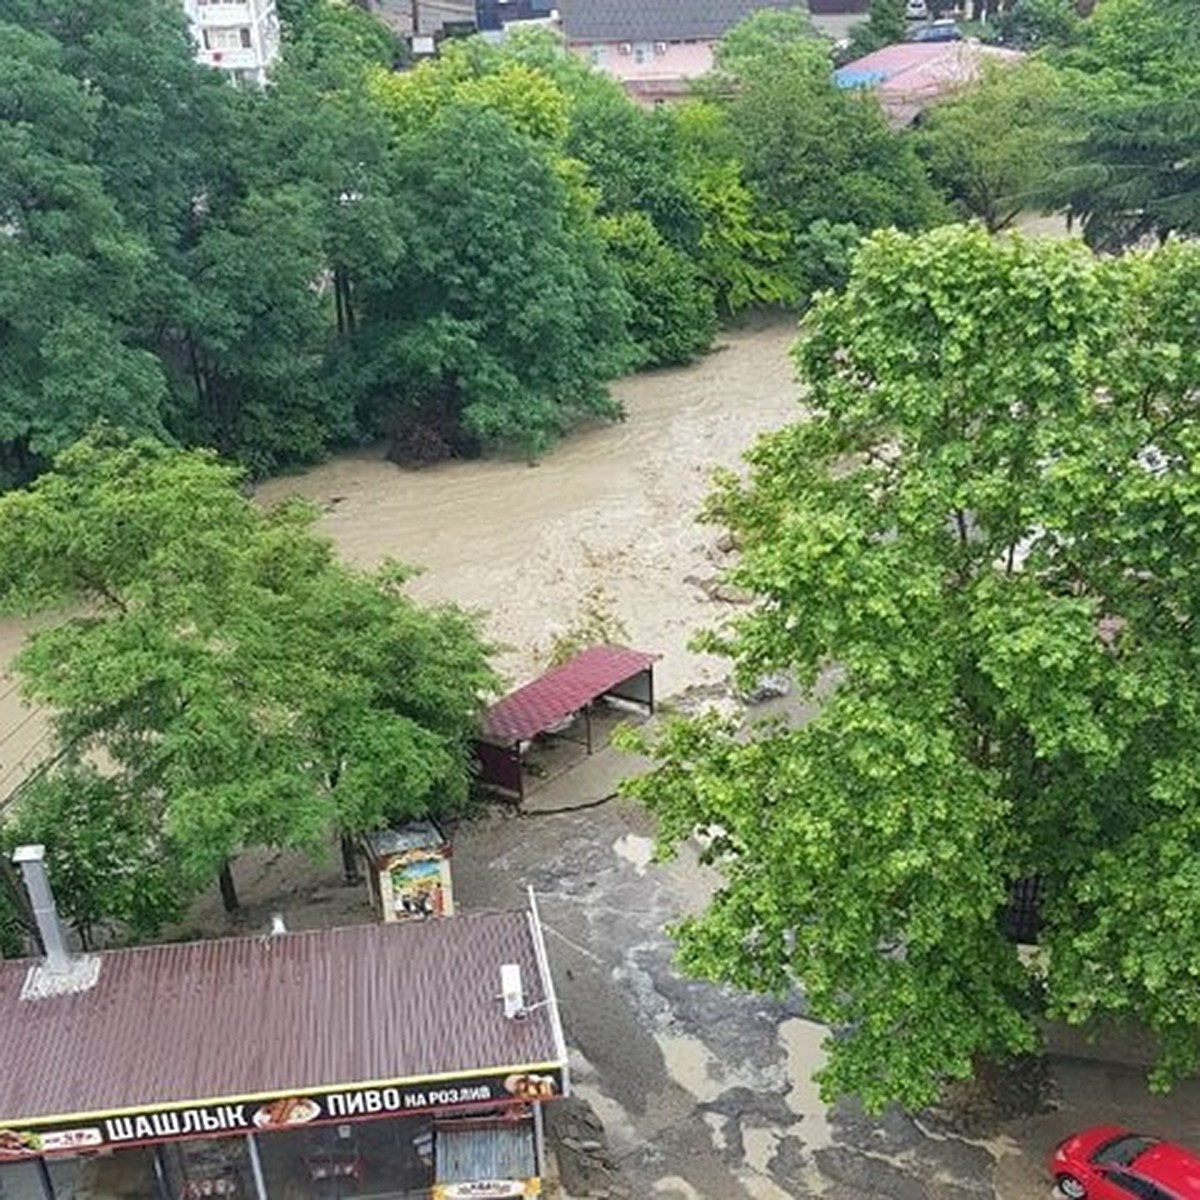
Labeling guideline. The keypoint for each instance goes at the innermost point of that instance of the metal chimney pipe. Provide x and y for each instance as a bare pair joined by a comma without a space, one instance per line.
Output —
31,860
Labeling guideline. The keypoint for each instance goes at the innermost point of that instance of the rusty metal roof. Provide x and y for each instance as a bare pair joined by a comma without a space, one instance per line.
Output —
562,691
202,1021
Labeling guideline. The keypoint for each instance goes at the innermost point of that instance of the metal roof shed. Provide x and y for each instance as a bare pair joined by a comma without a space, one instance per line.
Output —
562,692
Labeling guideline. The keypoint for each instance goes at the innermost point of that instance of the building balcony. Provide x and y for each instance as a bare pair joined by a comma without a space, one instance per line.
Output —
241,59
223,14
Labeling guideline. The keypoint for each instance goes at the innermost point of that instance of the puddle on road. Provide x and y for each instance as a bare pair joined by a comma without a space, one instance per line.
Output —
619,1128
673,1187
802,1041
689,1063
635,849
760,1146
761,1187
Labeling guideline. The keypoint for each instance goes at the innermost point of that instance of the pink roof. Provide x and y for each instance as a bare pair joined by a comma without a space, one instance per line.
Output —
908,76
562,691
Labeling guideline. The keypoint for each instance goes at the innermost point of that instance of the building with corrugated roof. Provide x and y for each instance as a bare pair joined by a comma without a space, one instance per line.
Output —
388,1059
908,77
655,47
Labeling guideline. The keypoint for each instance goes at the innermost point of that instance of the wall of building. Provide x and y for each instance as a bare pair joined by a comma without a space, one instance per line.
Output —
641,65
237,36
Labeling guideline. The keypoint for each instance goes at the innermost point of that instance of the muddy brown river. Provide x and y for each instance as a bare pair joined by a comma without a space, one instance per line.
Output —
613,507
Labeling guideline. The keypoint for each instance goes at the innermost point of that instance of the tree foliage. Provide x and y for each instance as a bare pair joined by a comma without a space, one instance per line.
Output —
1135,75
993,147
981,543
244,269
673,318
884,26
812,152
232,683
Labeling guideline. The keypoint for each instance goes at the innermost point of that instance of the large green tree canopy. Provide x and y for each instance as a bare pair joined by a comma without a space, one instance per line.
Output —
983,541
232,683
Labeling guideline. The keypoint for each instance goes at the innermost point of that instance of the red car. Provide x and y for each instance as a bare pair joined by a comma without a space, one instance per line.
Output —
1112,1163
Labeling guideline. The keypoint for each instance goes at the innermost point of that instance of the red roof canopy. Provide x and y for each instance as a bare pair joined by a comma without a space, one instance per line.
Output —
562,691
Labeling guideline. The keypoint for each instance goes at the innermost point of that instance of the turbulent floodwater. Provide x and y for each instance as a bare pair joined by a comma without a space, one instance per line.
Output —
613,507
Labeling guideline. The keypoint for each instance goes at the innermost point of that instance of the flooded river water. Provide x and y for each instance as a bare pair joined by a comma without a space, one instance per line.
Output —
612,507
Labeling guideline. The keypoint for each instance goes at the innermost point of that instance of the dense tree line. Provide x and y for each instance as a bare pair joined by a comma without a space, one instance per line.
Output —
272,272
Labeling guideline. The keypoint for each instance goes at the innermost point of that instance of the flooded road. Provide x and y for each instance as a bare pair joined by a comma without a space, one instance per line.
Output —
613,507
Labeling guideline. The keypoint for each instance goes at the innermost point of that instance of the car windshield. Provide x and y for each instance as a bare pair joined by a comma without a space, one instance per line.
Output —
1122,1151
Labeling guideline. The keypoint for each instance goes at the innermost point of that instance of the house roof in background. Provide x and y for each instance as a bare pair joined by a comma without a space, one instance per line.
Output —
658,20
280,1015
909,76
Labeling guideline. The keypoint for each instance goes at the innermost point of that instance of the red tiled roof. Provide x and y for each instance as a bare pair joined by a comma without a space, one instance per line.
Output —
562,691
286,1014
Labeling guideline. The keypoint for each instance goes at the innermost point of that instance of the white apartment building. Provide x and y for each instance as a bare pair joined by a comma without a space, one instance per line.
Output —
238,36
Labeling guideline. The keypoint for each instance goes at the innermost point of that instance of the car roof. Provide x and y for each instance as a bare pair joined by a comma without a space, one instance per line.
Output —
1172,1166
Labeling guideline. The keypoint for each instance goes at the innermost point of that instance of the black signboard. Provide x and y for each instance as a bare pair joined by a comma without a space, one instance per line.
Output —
292,1110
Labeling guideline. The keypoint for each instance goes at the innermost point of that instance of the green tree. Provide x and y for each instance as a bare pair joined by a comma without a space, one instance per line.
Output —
509,316
1038,24
1136,119
110,865
234,681
885,25
672,319
995,147
764,33
70,269
982,543
811,152
744,251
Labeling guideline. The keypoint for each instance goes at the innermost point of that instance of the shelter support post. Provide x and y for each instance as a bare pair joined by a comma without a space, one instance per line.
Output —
44,1179
587,725
539,1140
260,1183
160,1173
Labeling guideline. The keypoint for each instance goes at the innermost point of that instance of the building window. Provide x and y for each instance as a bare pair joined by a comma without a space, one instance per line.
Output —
227,39
643,52
596,56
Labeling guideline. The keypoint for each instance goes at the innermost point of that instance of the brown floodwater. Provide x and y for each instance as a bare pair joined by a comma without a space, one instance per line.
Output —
613,507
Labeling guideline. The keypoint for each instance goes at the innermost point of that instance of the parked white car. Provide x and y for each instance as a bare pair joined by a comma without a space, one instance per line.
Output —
916,10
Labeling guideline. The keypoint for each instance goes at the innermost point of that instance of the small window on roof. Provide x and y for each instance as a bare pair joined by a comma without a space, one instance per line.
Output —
1122,1151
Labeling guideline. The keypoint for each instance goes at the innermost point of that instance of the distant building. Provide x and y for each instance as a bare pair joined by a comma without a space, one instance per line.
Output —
240,37
910,76
492,16
655,47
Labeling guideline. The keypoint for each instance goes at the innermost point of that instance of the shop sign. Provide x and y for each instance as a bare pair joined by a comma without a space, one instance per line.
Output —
487,1189
356,1102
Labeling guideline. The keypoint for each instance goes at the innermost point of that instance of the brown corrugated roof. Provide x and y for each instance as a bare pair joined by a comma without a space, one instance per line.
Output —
562,691
274,1015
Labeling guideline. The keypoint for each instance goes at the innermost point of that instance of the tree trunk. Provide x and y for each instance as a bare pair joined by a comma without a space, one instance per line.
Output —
349,860
229,896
